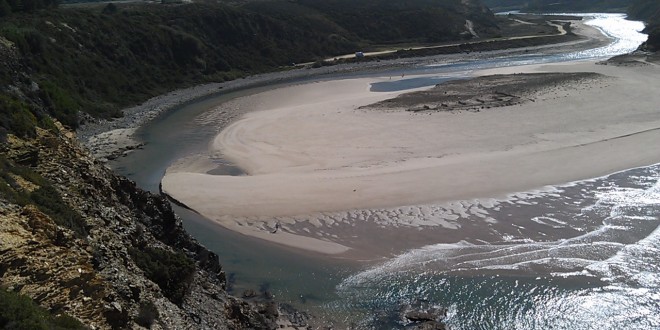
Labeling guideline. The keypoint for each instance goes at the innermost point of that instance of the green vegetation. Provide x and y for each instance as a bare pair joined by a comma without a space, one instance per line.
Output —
99,58
385,21
645,9
21,313
16,117
45,197
48,201
147,314
172,271
7,7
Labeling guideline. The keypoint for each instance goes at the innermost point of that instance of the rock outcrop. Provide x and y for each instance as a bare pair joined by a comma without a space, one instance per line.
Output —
98,248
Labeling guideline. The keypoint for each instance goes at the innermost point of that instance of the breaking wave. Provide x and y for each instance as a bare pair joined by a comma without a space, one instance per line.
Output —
608,275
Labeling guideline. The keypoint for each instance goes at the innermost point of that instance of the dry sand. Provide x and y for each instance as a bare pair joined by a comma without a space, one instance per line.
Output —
308,149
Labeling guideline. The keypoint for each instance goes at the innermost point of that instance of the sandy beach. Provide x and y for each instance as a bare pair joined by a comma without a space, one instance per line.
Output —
311,150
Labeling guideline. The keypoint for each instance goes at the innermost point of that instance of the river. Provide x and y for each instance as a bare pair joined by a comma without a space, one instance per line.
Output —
605,276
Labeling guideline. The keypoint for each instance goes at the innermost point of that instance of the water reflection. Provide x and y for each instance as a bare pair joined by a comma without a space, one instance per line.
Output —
609,276
533,300
626,35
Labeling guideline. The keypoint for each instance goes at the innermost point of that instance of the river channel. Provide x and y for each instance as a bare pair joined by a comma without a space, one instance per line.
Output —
585,290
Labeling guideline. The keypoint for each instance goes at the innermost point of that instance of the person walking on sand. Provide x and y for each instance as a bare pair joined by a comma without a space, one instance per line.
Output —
277,227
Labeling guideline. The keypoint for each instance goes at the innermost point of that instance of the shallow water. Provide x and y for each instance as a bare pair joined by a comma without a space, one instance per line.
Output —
578,256
606,277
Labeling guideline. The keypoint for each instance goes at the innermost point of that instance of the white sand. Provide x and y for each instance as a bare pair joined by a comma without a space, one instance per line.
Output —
308,149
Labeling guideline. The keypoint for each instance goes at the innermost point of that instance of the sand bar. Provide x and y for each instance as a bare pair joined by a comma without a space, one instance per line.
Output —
309,149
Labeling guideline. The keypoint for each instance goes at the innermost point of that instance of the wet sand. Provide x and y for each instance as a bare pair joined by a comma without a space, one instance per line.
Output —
315,160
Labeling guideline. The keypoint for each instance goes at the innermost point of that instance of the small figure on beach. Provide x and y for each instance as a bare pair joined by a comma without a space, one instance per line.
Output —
277,227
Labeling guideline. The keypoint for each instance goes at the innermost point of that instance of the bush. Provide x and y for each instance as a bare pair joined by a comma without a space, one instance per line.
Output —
20,312
172,271
147,314
46,197
48,201
62,105
16,117
9,189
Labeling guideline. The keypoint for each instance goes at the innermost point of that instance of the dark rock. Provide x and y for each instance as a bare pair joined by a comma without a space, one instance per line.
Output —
269,309
28,158
417,316
428,325
250,293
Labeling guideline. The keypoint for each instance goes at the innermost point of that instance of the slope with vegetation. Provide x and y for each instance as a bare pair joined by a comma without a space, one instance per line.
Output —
649,11
388,22
101,58
83,242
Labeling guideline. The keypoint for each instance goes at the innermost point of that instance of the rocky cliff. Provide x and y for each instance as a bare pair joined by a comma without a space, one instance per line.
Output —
80,240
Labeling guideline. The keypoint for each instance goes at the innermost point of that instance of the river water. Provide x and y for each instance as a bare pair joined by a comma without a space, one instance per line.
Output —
604,275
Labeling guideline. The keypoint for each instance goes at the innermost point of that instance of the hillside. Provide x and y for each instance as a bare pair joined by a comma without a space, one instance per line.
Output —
101,58
649,11
88,245
387,22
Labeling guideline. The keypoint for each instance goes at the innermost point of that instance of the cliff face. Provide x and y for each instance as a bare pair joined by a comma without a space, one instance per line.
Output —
100,249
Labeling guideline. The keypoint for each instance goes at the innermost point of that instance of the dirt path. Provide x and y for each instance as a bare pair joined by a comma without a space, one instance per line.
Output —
560,32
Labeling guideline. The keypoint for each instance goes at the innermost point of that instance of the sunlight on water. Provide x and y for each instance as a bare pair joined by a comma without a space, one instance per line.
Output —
605,277
626,35
609,276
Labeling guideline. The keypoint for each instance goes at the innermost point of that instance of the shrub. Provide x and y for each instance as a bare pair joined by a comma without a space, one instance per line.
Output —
46,197
62,105
16,117
20,312
48,201
172,271
147,314
8,186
